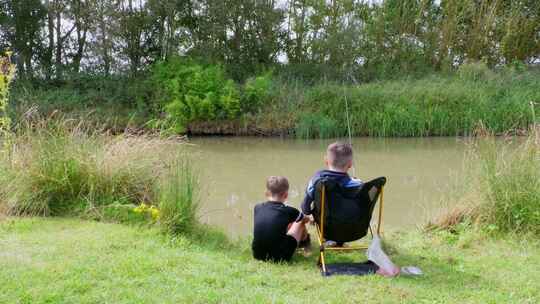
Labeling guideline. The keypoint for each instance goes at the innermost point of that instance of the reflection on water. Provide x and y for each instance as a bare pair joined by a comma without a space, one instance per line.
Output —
233,173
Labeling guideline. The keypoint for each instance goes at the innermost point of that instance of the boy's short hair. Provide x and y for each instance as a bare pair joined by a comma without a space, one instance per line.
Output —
339,154
277,185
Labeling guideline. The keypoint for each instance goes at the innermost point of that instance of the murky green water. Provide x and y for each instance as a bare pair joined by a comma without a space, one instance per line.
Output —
420,172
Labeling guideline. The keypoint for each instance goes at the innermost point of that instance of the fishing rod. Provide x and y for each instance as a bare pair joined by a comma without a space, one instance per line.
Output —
348,124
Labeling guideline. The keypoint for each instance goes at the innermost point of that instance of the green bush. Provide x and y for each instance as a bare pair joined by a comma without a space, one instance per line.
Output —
125,213
256,92
193,92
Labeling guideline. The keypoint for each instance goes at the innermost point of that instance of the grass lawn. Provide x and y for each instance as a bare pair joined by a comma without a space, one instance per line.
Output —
53,260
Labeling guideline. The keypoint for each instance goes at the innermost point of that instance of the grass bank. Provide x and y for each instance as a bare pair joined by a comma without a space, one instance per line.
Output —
54,260
443,104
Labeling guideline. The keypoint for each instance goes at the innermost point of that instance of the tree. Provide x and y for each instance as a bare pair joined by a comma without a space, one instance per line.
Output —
81,12
173,23
21,22
246,35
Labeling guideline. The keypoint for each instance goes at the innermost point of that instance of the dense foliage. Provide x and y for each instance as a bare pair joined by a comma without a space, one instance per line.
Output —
193,92
202,66
347,40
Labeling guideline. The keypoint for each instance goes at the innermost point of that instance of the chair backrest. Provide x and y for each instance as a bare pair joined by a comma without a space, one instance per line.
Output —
347,211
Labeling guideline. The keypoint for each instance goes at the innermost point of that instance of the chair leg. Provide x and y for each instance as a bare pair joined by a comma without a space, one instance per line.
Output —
322,263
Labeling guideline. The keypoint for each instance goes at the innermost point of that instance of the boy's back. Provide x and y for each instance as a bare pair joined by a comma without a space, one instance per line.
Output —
271,222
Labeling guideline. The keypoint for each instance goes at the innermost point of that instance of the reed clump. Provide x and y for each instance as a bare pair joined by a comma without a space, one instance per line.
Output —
511,185
506,197
178,199
57,167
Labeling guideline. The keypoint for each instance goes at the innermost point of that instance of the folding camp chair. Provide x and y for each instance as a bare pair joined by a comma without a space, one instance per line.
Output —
344,214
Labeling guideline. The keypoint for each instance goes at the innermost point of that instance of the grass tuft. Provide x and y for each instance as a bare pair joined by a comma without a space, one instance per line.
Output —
511,185
54,167
178,200
506,198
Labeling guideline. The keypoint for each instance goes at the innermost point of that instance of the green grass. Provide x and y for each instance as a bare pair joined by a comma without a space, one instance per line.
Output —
54,260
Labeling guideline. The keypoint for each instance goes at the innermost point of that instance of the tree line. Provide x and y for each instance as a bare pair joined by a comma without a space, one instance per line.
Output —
356,39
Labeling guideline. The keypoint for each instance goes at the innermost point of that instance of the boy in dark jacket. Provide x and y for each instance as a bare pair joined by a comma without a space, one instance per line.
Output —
278,228
338,160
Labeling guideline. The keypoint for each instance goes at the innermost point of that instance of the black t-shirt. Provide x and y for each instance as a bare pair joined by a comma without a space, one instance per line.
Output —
271,222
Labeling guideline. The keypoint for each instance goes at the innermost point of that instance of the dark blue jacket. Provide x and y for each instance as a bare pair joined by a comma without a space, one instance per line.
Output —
343,178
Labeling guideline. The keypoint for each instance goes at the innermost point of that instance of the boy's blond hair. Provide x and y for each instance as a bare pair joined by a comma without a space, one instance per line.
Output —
339,155
277,185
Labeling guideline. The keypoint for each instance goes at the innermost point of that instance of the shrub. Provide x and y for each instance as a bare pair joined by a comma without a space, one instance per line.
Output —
125,213
192,92
257,91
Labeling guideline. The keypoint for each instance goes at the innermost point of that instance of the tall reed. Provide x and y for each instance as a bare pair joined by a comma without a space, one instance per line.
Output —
452,105
511,185
506,195
178,198
57,167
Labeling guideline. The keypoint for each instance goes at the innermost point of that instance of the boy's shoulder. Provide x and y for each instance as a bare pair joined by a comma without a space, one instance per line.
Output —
260,205
325,173
274,205
342,178
269,204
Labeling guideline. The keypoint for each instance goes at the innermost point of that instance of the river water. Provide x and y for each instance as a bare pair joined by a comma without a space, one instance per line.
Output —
233,170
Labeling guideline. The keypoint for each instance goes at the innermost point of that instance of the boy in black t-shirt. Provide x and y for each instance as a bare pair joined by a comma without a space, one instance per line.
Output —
278,228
